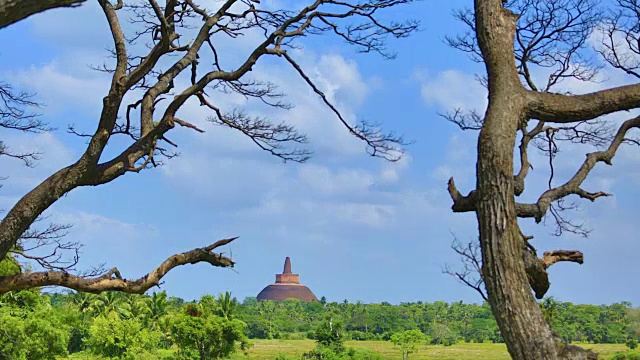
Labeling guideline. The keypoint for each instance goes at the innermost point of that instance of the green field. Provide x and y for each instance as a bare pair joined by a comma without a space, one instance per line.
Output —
268,349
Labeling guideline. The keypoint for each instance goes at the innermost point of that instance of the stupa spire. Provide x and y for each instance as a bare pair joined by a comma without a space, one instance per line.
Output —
287,277
287,266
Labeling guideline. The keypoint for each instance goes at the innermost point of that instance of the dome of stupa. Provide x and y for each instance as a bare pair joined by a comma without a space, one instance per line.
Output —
287,286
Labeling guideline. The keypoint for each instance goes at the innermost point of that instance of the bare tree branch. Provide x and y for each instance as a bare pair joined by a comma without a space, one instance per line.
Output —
461,203
113,280
551,257
12,11
536,268
471,273
572,186
558,108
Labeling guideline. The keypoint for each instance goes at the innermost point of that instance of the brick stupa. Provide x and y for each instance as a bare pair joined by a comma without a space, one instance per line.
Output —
287,286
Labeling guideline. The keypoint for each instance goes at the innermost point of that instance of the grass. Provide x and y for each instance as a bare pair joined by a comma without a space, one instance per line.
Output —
269,349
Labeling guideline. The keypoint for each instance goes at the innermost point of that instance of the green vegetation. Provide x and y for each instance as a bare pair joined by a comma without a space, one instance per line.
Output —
292,349
200,334
122,326
408,341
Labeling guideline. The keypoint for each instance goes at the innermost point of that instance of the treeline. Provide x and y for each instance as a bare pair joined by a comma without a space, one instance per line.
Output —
442,323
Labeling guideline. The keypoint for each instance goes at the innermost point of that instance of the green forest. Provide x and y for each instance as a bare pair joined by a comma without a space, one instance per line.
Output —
38,325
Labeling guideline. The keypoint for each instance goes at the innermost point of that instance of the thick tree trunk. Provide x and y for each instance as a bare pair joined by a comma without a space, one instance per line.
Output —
518,315
12,11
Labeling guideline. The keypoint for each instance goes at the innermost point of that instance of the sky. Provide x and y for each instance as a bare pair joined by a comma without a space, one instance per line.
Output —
355,227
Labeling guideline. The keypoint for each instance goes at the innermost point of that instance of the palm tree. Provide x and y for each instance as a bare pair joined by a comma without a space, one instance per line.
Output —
111,303
138,306
82,300
226,305
266,309
158,305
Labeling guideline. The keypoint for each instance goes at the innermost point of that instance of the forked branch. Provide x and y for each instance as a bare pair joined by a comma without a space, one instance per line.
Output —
572,186
471,273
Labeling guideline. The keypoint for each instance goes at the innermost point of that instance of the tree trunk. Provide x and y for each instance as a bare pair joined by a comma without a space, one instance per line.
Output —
518,315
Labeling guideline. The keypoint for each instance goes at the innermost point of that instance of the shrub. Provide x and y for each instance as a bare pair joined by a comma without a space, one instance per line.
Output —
213,336
324,353
122,339
283,357
329,334
628,355
34,336
361,335
631,343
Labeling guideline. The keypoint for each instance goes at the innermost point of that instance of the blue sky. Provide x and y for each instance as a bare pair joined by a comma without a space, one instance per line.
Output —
355,227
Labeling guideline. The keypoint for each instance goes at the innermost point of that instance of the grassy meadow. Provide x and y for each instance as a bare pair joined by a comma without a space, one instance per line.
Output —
269,349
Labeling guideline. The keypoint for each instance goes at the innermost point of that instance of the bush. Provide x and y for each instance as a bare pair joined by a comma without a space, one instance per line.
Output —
283,357
213,336
122,339
329,334
45,340
34,336
631,343
629,355
365,354
361,335
324,353
296,336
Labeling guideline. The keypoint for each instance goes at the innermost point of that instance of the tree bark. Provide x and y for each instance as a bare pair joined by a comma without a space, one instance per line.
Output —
12,11
518,315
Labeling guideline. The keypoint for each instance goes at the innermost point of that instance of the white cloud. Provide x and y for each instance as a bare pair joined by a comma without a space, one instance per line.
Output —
391,172
345,181
60,89
342,79
54,156
91,228
103,240
452,89
458,161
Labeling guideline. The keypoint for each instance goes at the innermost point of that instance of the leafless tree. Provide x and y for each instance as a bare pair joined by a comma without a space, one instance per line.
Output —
150,57
528,49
